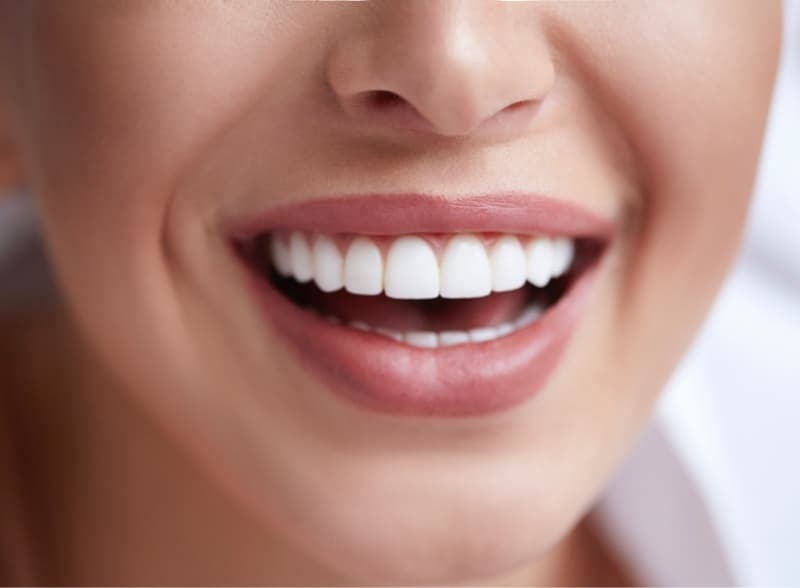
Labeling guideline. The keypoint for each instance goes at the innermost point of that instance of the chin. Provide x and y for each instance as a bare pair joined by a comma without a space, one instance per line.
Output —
478,524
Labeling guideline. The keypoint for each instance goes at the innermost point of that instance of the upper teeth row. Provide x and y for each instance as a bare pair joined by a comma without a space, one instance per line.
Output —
467,268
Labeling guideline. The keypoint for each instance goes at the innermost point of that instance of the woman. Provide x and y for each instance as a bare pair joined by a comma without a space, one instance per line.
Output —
359,292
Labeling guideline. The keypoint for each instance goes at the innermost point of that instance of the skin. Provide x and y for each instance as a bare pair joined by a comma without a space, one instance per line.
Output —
192,446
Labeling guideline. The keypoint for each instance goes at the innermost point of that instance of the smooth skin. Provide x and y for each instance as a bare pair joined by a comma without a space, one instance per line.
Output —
159,432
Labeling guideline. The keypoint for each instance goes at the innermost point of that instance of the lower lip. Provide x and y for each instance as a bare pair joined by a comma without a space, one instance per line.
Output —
380,374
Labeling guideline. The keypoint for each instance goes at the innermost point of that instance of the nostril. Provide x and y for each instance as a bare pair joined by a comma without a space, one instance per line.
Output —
517,113
382,99
519,105
384,107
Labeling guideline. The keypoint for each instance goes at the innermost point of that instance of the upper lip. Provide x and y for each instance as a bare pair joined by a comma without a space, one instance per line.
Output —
402,213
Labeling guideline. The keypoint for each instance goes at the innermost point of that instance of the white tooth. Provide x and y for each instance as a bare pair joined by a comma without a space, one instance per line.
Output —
359,326
483,334
540,261
411,270
328,265
563,254
504,329
302,265
391,334
448,338
528,316
509,265
363,267
466,271
281,258
421,339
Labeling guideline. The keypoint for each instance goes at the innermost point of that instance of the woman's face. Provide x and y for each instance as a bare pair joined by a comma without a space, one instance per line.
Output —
157,134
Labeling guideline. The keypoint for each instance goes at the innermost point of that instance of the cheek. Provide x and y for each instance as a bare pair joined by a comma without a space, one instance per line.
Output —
113,137
113,130
701,129
114,134
690,89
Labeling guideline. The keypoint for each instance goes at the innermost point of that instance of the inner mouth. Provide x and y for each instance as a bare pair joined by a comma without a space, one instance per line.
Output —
423,290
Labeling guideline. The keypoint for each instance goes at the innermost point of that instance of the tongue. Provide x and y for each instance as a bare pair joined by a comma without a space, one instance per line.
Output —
424,315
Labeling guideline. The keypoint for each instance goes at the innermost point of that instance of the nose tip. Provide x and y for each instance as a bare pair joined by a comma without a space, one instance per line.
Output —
442,73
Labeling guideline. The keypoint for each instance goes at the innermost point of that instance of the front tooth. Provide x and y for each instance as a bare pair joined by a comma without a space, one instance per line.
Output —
466,271
411,270
540,261
281,257
427,339
563,254
363,267
509,266
328,265
302,264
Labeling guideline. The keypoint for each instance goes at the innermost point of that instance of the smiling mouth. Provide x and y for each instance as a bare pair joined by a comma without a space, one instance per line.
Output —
426,291
428,322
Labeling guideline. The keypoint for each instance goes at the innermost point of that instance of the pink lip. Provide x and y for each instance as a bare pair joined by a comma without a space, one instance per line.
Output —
380,374
392,214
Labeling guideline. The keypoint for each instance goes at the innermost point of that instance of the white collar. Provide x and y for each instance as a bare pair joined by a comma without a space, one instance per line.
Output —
656,516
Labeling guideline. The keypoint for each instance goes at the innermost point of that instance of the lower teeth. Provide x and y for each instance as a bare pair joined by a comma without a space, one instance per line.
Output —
432,339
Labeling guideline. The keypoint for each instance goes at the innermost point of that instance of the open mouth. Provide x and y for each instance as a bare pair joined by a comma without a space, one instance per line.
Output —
426,291
466,315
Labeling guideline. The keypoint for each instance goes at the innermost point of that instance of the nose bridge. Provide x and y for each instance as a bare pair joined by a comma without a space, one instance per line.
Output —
456,63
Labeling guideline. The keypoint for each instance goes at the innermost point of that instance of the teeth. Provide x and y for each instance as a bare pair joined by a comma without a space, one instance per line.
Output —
432,339
483,334
447,338
504,329
392,334
281,257
509,266
359,326
411,270
563,254
427,339
363,268
528,316
328,265
466,271
300,254
540,261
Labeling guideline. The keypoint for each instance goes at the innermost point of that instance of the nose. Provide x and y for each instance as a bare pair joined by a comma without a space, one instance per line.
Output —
447,67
